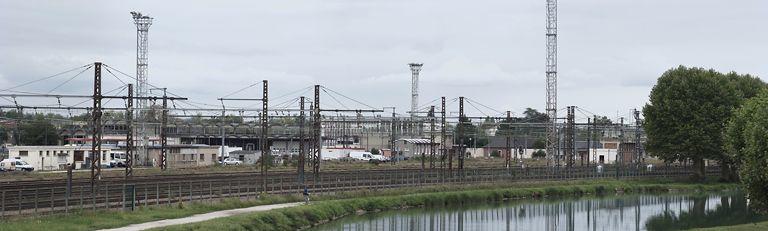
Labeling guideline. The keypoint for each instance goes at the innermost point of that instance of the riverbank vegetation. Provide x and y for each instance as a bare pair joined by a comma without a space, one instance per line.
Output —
324,211
89,220
697,114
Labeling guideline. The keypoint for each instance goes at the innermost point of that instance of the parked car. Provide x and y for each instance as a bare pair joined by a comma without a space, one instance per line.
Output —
379,157
231,161
16,165
116,163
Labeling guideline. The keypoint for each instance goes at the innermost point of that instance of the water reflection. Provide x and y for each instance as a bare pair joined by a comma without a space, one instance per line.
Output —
631,212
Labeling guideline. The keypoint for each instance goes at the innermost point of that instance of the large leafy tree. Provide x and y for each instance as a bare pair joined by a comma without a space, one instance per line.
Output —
686,116
747,87
39,132
747,142
532,115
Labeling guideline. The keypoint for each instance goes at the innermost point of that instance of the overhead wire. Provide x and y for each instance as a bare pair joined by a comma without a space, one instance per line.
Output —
241,89
334,98
70,79
45,78
342,95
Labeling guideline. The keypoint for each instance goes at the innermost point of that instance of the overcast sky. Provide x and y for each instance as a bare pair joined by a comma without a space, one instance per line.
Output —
491,51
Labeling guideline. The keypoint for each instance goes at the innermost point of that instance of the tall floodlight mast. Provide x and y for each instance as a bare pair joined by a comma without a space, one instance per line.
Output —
415,69
551,72
142,29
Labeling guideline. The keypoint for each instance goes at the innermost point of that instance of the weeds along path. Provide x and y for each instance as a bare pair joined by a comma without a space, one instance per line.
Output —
203,217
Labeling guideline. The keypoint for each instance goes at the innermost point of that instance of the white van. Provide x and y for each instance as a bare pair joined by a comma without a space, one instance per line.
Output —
15,164
7,165
364,156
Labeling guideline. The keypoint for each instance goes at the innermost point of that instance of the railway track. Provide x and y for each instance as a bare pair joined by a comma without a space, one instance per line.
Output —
52,196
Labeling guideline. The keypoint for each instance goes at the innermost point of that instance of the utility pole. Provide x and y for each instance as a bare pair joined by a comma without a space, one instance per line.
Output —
460,128
432,137
443,137
594,130
393,137
570,145
589,141
619,151
317,127
129,134
163,134
128,191
302,151
639,158
265,150
551,72
97,129
508,149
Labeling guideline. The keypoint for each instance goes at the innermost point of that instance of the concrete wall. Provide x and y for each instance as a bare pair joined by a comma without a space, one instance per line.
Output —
186,156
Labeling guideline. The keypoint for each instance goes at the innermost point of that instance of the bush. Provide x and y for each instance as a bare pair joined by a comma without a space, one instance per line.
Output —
539,154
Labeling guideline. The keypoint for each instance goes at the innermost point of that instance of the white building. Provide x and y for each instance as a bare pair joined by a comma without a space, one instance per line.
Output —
57,157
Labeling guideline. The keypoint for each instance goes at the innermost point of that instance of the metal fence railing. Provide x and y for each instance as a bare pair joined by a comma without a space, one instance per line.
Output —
47,199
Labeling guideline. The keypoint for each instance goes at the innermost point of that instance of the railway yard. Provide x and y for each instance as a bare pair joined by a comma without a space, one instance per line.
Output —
53,196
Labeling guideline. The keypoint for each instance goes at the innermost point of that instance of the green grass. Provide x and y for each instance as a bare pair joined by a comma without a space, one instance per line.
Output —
89,220
336,205
759,226
324,211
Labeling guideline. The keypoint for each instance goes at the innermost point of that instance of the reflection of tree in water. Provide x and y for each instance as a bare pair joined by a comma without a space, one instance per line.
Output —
733,210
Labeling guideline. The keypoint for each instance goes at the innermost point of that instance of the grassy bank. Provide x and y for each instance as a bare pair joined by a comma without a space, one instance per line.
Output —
324,211
759,226
380,199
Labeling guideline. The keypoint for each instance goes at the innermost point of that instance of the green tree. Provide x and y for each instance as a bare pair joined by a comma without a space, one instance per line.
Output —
746,138
686,115
375,151
748,87
532,115
602,120
39,132
3,135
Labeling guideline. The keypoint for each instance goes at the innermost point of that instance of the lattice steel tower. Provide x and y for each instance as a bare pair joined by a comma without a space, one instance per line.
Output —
415,69
142,28
551,72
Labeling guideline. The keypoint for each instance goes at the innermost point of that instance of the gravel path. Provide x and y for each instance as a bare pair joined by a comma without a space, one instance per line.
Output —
202,217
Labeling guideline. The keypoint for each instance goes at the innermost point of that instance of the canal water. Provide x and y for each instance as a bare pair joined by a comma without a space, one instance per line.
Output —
625,212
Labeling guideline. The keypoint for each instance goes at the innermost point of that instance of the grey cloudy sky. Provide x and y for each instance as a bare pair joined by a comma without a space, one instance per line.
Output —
492,51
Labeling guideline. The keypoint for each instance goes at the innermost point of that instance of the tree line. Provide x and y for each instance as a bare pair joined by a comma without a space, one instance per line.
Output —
697,114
